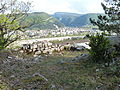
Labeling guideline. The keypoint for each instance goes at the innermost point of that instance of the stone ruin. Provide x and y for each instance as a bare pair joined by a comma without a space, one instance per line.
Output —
43,47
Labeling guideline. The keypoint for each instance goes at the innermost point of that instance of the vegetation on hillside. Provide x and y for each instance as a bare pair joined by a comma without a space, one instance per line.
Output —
84,20
66,18
42,20
75,20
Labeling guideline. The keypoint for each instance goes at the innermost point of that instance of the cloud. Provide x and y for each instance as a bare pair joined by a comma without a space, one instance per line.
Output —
51,6
75,6
87,6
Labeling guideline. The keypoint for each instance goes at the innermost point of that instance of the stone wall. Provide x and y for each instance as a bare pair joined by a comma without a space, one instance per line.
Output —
43,47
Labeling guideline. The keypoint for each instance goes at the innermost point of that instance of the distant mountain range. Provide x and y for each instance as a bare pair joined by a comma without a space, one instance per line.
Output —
43,20
75,20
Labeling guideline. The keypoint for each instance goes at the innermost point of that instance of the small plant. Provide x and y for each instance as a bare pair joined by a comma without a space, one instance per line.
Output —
100,51
117,48
3,86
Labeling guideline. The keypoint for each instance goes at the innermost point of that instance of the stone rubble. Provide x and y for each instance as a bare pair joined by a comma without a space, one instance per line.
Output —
42,47
45,47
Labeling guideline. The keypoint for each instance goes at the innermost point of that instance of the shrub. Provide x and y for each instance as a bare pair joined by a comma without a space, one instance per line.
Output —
100,51
117,48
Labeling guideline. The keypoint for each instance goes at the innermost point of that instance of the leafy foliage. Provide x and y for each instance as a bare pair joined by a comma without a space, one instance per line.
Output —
12,14
100,49
7,26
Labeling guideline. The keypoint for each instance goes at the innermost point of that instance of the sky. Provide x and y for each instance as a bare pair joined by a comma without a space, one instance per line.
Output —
73,6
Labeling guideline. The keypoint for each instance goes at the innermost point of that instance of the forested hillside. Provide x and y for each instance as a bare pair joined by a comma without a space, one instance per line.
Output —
75,20
66,18
42,20
84,20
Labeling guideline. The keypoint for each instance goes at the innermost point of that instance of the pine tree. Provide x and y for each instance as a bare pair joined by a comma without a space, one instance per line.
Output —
111,20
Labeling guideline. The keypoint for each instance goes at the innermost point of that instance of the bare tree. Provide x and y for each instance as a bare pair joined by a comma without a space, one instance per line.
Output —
12,15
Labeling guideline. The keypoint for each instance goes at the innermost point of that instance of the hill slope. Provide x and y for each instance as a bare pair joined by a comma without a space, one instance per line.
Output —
43,20
84,20
66,18
75,20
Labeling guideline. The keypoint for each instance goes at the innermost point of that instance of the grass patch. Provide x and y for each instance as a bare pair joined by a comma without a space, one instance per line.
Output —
64,74
70,41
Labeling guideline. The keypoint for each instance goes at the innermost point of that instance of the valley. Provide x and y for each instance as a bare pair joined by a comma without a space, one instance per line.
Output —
42,20
58,51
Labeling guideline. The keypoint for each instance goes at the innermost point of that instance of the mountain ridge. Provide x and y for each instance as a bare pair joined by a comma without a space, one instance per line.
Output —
42,20
75,20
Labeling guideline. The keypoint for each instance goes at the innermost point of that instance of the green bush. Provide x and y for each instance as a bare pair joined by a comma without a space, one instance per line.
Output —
117,48
100,51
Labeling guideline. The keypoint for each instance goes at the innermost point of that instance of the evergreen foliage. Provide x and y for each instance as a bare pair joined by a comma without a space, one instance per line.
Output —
110,22
100,48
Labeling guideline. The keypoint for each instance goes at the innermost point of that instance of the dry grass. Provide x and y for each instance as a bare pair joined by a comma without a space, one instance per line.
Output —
61,72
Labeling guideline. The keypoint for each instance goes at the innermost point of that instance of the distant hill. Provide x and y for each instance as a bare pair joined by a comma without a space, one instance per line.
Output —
84,20
66,14
42,20
66,18
75,20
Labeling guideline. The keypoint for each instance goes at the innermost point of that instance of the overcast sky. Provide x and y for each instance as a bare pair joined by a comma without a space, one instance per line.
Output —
74,6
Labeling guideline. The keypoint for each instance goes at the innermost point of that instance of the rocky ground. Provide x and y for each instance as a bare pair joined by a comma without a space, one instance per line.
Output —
21,70
26,72
66,70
